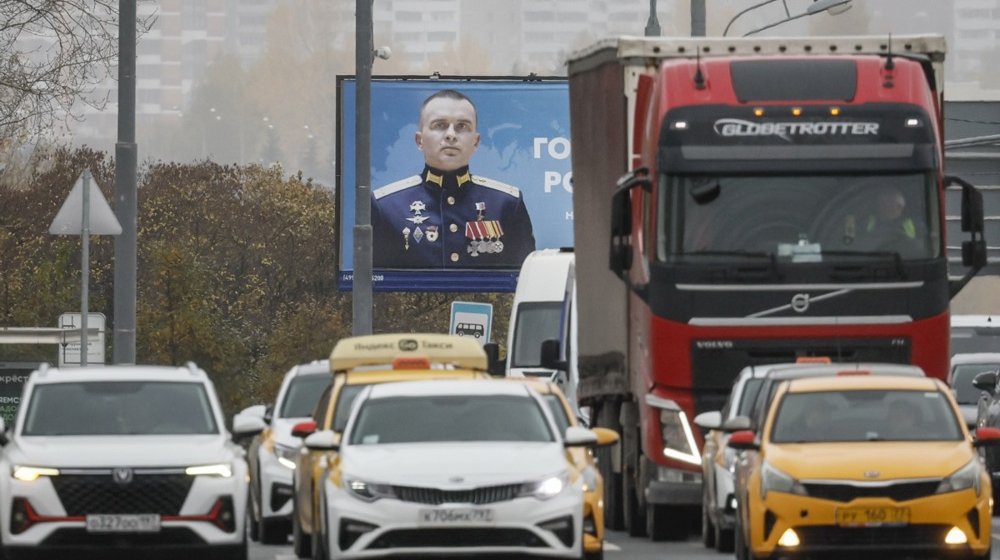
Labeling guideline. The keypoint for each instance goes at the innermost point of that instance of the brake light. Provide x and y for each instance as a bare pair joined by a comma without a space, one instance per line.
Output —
813,360
411,362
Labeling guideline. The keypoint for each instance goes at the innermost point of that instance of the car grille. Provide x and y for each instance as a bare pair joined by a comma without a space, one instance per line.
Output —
98,492
899,491
458,537
477,496
881,537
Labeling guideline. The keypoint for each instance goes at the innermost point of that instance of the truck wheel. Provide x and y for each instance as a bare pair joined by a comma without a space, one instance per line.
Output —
607,417
633,515
666,523
724,539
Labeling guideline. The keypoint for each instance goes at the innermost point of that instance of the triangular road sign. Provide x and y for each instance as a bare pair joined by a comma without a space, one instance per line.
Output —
69,219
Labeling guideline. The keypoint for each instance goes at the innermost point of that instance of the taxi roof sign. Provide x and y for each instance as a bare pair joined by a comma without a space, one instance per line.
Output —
384,349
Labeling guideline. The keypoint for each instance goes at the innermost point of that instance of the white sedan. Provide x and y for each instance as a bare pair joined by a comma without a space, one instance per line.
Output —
451,467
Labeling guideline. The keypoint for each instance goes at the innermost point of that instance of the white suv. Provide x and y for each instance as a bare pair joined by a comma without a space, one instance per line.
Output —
113,457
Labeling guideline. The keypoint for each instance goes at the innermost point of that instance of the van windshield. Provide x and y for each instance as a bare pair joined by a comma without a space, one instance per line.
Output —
536,321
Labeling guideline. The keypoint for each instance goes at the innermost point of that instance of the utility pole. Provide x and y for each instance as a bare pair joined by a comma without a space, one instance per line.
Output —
125,190
697,18
653,24
361,285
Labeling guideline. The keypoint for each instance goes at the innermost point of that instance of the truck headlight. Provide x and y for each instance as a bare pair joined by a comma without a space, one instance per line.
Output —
965,477
546,488
773,479
29,474
367,491
678,440
286,455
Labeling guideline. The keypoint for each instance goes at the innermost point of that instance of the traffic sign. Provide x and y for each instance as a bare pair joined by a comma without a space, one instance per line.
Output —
472,319
69,351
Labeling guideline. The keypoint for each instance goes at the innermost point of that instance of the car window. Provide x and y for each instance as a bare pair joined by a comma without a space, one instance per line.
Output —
302,395
319,411
961,381
450,418
119,408
536,321
558,412
869,415
342,409
750,390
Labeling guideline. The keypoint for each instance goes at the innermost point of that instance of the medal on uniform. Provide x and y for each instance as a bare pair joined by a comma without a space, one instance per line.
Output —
484,237
417,234
417,207
480,210
406,239
432,234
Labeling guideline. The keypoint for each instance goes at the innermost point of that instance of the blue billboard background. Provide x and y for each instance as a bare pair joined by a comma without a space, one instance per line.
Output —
524,128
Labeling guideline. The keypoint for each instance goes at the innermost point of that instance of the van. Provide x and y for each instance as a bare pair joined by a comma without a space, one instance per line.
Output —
537,312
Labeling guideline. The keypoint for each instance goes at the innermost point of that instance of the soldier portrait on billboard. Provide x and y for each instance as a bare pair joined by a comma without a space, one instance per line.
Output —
446,217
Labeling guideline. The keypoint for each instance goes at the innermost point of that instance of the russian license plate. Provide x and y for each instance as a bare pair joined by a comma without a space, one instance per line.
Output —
144,523
455,516
872,516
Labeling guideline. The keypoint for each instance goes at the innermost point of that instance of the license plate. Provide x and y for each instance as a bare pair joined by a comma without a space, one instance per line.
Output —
455,516
144,523
872,516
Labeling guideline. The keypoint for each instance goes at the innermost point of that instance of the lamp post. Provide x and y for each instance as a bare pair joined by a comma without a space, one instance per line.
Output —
835,7
361,285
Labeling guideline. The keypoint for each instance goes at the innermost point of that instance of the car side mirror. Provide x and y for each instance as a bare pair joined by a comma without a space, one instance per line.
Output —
579,437
987,437
247,425
605,437
711,420
269,414
304,429
736,424
985,381
550,355
744,440
324,440
494,365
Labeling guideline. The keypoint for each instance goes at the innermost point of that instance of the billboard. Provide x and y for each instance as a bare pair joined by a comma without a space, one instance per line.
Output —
457,225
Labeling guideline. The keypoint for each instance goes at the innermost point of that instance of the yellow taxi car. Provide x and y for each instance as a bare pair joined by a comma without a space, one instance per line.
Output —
582,462
858,463
356,363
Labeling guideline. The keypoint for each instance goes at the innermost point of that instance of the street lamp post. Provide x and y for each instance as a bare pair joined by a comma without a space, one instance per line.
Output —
361,285
834,7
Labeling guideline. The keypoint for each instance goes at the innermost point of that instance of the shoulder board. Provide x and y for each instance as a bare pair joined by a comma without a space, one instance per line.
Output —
497,185
391,188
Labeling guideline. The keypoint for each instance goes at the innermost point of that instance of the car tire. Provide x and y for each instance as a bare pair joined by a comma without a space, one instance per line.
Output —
633,516
666,523
607,417
233,552
596,555
320,533
724,539
301,542
740,547
273,531
708,532
252,528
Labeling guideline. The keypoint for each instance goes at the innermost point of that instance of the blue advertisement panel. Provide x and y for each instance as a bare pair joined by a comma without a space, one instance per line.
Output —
468,177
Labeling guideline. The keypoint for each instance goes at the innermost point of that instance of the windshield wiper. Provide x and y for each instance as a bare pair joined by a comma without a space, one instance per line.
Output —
746,272
750,254
897,259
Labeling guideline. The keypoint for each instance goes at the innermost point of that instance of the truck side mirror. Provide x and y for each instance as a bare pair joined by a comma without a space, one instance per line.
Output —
620,254
550,355
494,365
985,381
973,250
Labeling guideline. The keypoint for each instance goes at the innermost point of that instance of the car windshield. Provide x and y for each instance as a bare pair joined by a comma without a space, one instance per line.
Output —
450,418
558,412
302,395
869,415
119,408
799,218
961,381
536,321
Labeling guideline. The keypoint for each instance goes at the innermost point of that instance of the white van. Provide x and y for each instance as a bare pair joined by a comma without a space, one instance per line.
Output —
537,311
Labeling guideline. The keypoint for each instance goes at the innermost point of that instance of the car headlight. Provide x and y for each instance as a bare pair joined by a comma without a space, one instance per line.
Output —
286,455
546,488
222,470
367,491
589,475
965,477
29,474
774,480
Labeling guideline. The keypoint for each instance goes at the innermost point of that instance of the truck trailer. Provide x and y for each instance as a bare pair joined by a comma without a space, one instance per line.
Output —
727,203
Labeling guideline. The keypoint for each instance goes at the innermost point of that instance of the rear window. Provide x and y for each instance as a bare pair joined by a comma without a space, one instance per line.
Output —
961,381
799,80
870,415
115,408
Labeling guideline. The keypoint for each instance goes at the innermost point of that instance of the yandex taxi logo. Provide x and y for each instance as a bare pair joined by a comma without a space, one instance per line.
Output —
730,128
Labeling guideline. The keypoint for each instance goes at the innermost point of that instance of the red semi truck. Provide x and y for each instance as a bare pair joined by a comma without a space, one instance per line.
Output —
746,180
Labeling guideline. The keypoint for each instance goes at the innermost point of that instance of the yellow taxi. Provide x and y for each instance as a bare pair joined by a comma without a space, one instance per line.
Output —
859,463
582,462
356,363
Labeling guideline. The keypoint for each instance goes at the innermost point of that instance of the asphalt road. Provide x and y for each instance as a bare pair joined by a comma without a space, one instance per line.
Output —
617,546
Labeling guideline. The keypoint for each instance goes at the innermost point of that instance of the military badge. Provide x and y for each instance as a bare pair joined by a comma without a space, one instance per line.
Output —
417,234
406,239
417,207
432,234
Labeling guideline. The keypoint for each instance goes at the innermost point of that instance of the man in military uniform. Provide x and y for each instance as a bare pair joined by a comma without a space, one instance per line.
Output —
445,217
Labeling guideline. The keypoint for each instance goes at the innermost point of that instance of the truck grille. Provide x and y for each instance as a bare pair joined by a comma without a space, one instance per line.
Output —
99,492
477,496
900,491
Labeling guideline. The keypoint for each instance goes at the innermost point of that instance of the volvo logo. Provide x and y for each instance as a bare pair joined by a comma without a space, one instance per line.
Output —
872,474
408,345
800,303
122,475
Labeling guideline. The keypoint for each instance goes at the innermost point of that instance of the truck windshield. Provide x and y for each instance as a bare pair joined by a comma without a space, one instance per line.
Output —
536,321
798,218
116,408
